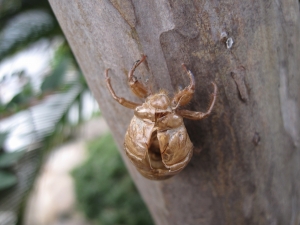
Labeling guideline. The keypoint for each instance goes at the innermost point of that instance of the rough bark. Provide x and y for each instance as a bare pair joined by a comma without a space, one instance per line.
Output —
246,166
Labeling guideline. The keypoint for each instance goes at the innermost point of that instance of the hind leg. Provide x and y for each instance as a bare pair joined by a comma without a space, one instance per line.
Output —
199,115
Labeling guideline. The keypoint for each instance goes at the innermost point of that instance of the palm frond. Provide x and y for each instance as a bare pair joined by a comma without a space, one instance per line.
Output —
25,29
45,121
32,130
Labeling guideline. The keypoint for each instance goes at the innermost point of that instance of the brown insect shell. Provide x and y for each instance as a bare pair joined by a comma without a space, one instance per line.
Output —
156,141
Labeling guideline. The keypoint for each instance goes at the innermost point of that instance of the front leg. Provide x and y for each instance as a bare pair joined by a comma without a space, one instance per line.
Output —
199,115
122,101
184,96
137,87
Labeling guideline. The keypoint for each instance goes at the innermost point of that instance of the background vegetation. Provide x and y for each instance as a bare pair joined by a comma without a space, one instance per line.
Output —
104,189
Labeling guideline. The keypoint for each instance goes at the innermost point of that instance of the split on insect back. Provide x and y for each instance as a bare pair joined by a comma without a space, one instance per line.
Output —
156,140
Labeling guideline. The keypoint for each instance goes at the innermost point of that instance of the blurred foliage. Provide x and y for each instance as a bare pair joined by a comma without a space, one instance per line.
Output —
24,22
7,161
45,110
104,189
7,180
18,102
10,158
55,81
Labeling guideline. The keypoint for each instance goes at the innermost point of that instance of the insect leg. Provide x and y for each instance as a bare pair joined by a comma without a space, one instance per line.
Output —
199,115
137,87
122,101
184,96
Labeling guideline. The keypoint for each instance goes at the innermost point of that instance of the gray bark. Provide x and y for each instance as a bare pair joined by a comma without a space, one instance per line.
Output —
246,166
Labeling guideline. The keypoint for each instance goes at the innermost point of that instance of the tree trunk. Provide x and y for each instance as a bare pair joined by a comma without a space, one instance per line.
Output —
246,163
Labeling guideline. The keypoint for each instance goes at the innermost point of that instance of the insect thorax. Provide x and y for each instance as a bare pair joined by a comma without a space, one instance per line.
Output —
155,107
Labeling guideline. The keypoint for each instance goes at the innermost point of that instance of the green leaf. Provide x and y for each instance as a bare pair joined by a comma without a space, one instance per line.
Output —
8,7
24,29
23,97
55,80
9,159
2,138
7,180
